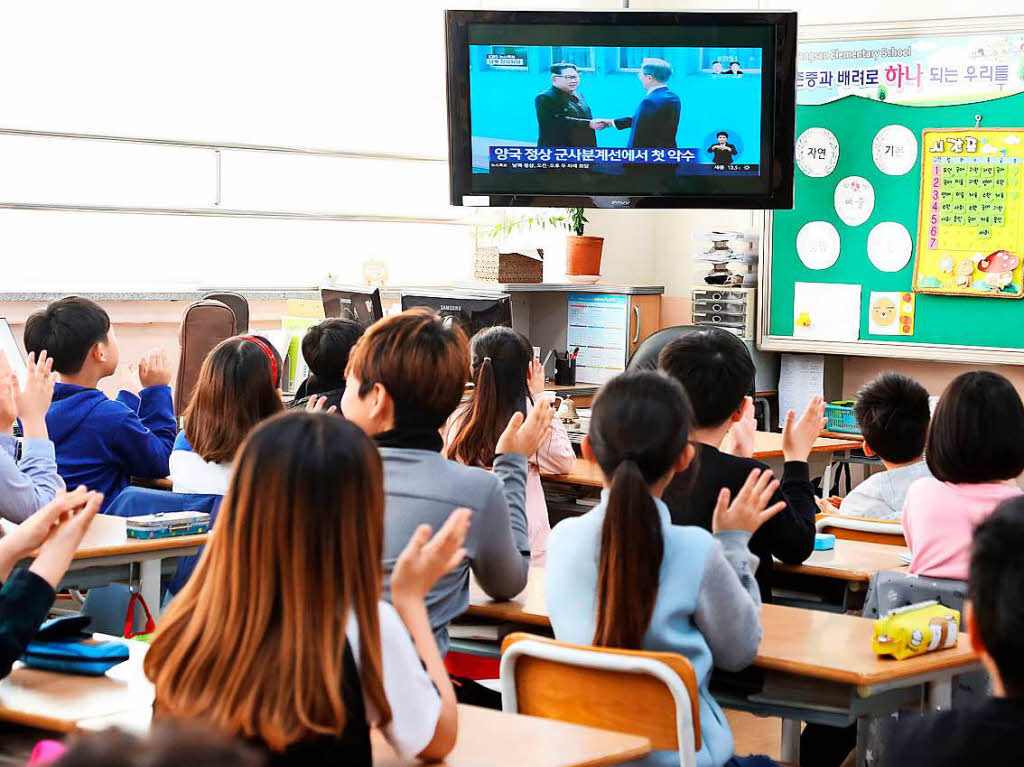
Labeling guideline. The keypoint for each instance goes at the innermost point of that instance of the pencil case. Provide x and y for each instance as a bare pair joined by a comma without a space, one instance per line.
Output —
167,524
84,657
916,629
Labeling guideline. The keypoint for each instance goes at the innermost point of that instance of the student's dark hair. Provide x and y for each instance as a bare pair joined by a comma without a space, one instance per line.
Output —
169,745
995,584
326,347
975,435
893,414
658,69
561,66
233,393
716,370
501,366
422,362
67,329
639,427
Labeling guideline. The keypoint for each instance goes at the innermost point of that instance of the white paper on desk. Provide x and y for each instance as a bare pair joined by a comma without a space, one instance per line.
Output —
801,377
103,531
826,311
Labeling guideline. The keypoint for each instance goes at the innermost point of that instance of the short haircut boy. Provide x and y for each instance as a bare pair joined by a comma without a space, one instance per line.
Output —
326,348
994,586
893,414
716,370
67,329
422,361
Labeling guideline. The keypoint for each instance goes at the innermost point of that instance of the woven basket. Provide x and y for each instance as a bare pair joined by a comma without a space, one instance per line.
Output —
491,266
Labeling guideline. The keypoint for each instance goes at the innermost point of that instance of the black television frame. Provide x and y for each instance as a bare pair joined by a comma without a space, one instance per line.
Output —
780,158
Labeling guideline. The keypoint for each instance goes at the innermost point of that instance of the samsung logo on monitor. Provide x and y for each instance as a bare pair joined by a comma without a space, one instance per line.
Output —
449,308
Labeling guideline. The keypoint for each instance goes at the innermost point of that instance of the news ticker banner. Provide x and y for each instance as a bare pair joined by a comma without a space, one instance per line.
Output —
594,158
953,69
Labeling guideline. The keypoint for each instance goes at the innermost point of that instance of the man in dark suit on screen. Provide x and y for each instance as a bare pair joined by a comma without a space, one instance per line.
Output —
563,117
656,120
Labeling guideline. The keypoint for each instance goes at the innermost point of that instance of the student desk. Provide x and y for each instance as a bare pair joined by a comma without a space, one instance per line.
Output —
767,448
842,573
818,666
124,698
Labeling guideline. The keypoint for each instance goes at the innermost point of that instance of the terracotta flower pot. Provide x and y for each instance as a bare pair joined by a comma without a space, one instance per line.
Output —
583,254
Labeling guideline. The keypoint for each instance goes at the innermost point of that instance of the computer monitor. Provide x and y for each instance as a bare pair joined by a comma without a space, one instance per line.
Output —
472,312
355,303
10,348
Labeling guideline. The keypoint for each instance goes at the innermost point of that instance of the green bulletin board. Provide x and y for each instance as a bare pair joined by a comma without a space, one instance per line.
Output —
946,324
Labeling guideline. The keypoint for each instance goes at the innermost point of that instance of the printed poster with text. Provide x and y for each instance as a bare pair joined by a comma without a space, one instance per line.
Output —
598,326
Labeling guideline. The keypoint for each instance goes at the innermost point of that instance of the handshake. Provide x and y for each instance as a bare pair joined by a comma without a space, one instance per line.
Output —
601,124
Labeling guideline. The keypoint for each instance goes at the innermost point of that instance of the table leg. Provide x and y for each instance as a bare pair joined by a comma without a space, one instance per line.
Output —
940,695
791,741
149,584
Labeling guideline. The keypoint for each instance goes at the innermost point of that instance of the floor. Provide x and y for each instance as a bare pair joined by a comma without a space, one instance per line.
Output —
755,734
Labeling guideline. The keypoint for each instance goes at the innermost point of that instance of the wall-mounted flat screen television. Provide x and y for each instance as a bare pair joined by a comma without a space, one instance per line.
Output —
621,109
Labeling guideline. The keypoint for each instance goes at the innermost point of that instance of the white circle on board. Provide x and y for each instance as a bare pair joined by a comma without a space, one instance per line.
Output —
894,150
890,246
817,244
817,152
854,200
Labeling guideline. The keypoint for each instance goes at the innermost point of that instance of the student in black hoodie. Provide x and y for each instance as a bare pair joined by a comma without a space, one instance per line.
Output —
717,372
325,348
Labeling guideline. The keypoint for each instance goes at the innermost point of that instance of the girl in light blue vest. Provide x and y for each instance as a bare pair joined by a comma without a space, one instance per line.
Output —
623,576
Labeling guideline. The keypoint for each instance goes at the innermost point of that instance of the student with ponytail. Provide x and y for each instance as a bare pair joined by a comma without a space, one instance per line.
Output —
623,576
507,380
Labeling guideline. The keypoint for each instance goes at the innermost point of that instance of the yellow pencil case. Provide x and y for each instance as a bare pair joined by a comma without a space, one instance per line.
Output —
915,630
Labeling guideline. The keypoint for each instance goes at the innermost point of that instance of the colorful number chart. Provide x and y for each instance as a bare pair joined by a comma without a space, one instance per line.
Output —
970,235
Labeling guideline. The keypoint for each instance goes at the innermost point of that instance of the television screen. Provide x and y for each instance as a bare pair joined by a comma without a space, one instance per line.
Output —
472,313
353,304
621,109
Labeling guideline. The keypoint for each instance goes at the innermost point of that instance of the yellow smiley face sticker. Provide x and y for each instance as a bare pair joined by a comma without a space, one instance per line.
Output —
883,312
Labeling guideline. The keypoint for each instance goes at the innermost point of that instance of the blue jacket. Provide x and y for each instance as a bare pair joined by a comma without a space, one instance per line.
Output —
656,121
102,443
707,608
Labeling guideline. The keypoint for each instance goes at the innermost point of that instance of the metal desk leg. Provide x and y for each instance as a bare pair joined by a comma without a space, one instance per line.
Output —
940,695
791,741
149,584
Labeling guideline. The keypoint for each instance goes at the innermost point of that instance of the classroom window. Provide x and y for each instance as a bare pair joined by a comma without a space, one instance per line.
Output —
630,59
582,57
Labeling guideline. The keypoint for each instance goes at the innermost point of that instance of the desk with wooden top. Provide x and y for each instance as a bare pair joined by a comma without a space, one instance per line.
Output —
124,698
767,448
819,666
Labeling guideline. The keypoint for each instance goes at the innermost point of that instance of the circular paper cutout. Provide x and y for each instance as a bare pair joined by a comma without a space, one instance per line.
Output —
854,200
817,244
817,152
890,246
894,150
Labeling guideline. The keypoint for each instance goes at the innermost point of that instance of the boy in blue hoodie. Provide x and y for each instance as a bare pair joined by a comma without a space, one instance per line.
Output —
101,443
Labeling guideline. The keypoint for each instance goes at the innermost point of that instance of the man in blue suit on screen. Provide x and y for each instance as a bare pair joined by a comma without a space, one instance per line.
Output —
657,118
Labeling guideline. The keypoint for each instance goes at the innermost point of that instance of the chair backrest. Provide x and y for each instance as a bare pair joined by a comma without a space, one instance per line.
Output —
204,324
651,694
645,356
238,305
860,529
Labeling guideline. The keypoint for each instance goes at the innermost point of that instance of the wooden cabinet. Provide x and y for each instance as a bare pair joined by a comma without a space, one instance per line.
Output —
644,319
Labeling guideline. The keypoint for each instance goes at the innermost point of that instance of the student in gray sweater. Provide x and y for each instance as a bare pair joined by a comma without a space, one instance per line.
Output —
30,483
405,377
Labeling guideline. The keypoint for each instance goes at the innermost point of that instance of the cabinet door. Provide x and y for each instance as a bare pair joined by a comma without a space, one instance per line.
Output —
644,319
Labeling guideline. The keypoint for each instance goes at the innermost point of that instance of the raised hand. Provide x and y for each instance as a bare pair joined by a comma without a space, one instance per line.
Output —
155,369
8,385
798,435
535,378
750,508
316,404
64,537
526,435
426,559
739,440
30,534
34,400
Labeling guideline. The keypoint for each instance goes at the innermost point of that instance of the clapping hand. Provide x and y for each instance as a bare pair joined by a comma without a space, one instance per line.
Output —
34,400
526,435
316,404
798,435
155,369
750,508
426,559
739,440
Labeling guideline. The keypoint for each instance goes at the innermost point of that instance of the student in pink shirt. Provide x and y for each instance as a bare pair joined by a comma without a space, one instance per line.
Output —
975,452
507,379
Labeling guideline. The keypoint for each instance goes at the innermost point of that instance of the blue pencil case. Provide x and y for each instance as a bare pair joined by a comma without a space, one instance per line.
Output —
84,657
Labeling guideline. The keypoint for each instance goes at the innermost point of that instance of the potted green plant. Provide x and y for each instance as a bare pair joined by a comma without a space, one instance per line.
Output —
582,253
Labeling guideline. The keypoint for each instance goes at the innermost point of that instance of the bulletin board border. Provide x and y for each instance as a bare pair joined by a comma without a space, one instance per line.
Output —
904,350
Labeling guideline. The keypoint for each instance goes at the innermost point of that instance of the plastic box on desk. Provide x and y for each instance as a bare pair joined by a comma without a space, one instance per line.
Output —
841,418
168,524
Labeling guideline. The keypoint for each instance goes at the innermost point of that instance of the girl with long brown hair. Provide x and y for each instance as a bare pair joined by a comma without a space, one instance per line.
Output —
508,380
281,636
623,576
236,389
